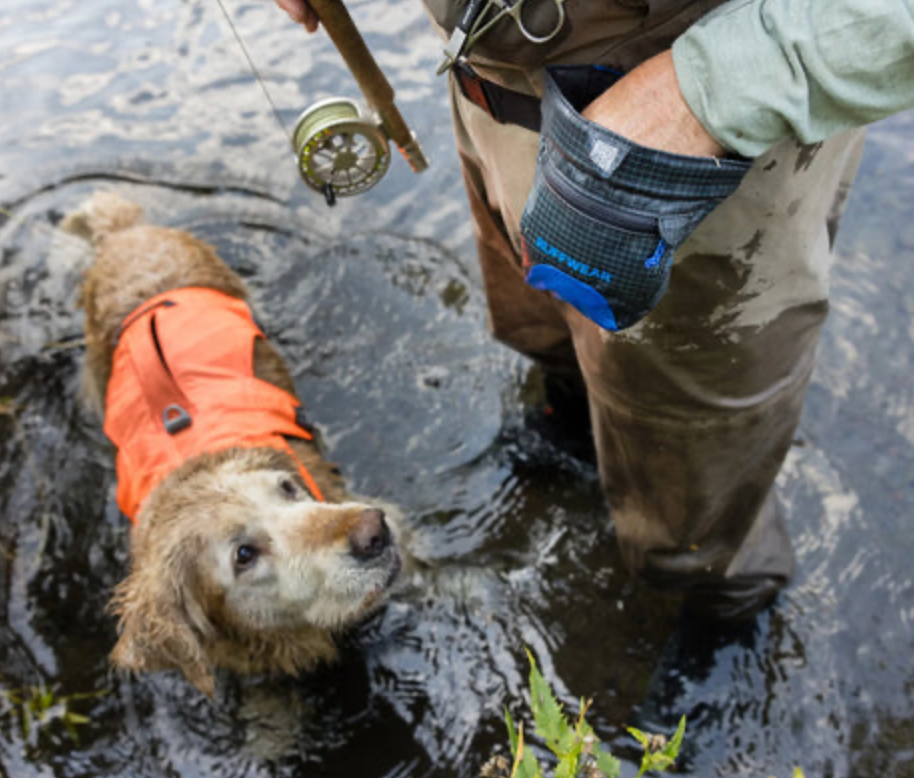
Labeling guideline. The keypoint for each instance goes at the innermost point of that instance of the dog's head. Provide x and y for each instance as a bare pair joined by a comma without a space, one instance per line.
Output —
235,565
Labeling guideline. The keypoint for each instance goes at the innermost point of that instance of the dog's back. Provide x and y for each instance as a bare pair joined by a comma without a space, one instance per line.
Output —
134,262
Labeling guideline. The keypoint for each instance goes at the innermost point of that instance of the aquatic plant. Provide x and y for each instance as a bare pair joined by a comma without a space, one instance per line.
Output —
37,707
576,748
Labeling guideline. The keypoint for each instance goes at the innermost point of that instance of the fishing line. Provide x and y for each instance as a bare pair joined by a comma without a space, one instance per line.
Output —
256,72
341,147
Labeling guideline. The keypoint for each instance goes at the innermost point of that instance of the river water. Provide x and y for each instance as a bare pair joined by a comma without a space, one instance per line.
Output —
377,305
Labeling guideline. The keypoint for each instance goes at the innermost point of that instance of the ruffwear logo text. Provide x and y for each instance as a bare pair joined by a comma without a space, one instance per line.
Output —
581,268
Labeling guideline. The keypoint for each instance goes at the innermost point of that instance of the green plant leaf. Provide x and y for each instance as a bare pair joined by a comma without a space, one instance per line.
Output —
640,736
14,697
607,763
44,699
88,695
547,713
71,730
512,733
574,744
657,761
26,721
663,758
529,767
525,764
671,749
569,743
567,767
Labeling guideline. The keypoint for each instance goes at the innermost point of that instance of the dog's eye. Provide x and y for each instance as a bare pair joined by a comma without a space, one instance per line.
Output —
288,487
245,556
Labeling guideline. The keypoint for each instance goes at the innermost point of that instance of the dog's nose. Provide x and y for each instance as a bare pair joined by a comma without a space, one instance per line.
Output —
370,535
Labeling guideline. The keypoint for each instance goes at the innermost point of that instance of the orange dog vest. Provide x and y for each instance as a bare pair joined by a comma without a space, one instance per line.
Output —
183,383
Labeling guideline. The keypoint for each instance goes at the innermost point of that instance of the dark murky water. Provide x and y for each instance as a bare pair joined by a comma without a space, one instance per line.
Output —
377,305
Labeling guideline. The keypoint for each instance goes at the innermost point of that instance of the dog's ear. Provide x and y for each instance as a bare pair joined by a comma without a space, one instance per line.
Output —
161,624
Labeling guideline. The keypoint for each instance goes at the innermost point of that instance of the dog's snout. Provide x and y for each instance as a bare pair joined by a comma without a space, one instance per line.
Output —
370,535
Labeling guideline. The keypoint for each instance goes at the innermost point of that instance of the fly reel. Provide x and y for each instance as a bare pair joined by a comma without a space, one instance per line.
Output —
342,148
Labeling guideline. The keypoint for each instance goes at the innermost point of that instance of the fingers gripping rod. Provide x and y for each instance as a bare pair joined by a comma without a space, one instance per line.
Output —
374,85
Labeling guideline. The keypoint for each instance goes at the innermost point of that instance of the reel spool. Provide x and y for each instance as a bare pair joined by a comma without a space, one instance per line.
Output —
342,149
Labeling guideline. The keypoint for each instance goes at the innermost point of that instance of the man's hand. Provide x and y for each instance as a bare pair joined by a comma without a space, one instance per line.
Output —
299,11
647,107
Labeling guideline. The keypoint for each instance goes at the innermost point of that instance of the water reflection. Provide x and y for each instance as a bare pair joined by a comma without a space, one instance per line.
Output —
377,306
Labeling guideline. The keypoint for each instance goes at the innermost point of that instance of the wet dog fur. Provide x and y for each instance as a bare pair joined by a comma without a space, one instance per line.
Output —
190,602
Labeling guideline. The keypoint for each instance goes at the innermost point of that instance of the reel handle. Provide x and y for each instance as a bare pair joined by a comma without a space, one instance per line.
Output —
374,84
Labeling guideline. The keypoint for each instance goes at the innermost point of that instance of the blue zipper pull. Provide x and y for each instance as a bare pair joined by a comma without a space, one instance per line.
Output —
653,261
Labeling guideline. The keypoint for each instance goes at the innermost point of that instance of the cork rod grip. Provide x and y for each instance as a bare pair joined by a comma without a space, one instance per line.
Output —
374,84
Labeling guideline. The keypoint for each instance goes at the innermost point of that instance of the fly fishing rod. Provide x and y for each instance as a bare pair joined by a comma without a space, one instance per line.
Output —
342,147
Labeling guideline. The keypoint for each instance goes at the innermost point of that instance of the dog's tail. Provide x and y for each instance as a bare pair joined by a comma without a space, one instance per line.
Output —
102,214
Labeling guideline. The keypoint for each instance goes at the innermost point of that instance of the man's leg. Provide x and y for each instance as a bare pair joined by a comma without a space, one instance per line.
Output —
695,408
519,316
497,173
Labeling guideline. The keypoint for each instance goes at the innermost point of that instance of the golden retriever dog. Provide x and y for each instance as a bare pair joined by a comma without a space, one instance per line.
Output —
245,555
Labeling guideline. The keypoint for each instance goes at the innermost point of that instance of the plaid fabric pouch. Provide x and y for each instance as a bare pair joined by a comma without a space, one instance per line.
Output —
605,214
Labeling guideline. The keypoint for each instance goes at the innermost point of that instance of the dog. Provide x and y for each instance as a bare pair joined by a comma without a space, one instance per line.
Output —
247,553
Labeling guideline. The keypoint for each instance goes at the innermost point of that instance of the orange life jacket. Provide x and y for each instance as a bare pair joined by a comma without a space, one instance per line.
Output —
183,383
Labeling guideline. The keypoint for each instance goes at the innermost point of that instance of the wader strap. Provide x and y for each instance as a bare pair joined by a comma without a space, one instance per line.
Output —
503,105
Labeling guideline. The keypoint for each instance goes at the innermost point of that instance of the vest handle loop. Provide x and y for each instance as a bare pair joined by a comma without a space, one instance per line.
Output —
175,419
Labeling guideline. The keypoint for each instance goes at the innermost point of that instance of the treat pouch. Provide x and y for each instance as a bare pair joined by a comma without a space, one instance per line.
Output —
605,215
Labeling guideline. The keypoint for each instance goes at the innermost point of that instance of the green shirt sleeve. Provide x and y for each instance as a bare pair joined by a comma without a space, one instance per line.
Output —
756,71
